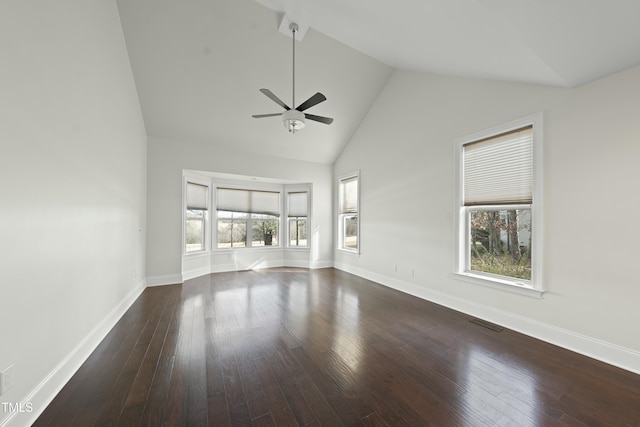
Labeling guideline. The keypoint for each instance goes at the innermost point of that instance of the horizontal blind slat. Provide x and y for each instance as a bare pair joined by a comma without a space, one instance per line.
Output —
248,201
196,196
349,195
499,170
297,204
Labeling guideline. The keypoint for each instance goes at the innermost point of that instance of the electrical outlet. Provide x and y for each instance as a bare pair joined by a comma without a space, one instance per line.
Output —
6,379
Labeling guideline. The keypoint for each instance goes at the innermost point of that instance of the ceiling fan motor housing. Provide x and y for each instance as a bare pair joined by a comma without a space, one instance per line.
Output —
293,120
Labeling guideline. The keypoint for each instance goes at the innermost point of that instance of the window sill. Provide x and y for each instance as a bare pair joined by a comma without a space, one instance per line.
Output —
349,251
196,254
504,285
248,249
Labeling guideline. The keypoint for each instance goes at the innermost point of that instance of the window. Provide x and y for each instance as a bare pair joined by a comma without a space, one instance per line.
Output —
247,218
348,221
297,212
232,229
195,217
498,202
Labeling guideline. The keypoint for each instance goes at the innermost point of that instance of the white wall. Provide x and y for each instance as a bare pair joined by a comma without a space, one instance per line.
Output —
404,150
72,189
166,161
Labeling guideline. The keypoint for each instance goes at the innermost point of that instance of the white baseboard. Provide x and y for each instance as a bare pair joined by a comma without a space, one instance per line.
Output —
295,264
167,279
223,268
270,264
612,354
321,264
42,395
228,267
192,274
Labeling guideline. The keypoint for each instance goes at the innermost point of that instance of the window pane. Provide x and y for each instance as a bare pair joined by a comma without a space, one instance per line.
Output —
500,242
351,231
264,231
194,235
298,232
232,229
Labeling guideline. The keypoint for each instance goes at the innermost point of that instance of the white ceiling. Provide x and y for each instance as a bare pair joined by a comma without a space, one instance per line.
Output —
199,64
554,42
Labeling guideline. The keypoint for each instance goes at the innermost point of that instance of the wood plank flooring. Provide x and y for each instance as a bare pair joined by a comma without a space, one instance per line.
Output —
294,347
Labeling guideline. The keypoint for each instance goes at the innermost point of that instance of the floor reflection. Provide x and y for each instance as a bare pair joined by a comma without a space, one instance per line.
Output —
347,339
498,391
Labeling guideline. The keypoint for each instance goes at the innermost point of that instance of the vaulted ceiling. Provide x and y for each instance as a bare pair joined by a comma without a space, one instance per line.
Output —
198,64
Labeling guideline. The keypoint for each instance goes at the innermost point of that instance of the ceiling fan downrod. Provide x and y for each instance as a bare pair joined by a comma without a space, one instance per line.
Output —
294,28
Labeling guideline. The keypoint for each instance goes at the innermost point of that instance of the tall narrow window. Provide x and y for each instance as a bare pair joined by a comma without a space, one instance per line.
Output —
195,217
498,218
247,218
297,213
348,223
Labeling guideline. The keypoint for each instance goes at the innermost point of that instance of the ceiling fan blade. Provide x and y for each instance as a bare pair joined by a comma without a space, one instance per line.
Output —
314,100
275,98
321,119
259,116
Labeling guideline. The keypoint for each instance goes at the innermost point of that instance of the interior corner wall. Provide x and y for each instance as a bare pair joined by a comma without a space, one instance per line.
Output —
166,161
72,191
590,240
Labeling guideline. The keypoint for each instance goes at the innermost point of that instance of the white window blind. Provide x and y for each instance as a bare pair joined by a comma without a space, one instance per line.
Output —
297,204
248,201
197,196
499,170
349,195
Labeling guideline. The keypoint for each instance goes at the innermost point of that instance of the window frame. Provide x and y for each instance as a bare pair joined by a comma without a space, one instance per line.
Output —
533,287
342,216
297,189
191,179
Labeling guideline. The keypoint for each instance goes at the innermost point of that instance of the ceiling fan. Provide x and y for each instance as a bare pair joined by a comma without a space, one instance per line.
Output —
293,119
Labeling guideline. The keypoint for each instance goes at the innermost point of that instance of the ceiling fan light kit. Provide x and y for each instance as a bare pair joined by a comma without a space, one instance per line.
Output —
294,119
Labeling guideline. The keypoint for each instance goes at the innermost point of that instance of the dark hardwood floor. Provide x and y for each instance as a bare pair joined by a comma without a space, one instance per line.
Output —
293,347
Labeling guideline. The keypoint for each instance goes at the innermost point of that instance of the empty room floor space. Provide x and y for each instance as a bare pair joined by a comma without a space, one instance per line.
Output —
299,347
